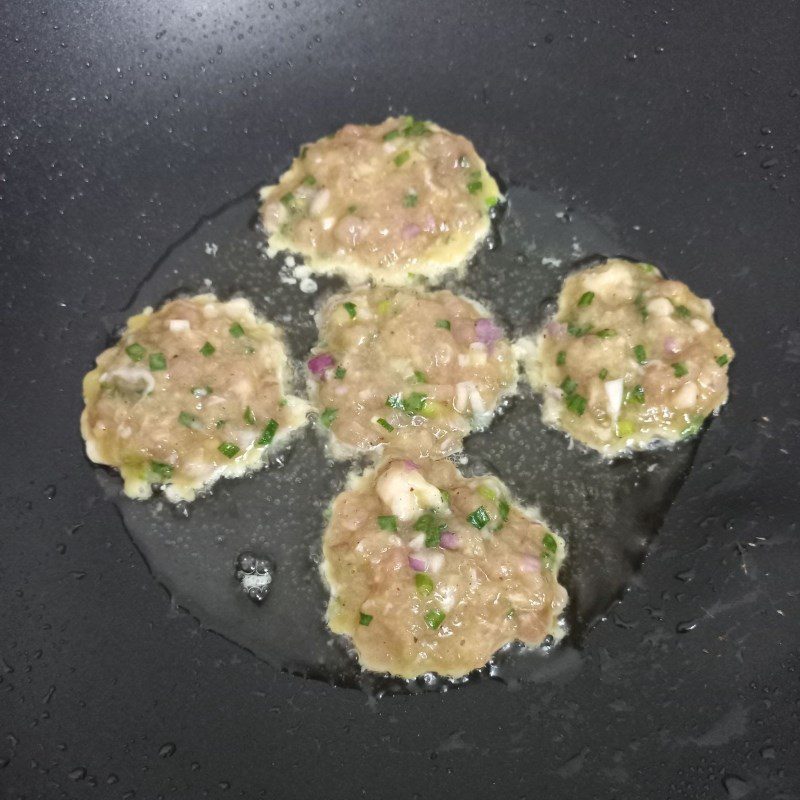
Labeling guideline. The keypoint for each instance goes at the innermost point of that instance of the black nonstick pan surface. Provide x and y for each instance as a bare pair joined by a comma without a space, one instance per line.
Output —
127,127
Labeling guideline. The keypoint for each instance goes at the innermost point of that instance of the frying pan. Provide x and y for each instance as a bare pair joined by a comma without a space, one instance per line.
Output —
123,124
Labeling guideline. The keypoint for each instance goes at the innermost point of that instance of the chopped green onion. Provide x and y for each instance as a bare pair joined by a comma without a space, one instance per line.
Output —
228,449
487,492
561,358
395,401
364,619
135,352
401,158
639,302
606,333
568,386
577,330
603,374
473,187
443,323
328,416
339,373
415,127
683,312
722,360
310,180
288,199
208,349
164,471
625,427
445,496
434,618
640,354
463,162
415,403
351,209
693,427
268,434
549,543
220,422
157,362
236,330
635,395
424,584
350,308
388,523
645,267
391,135
491,202
420,377
503,509
576,403
431,527
303,151
410,200
384,424
248,351
248,416
478,518
679,370
189,420
586,299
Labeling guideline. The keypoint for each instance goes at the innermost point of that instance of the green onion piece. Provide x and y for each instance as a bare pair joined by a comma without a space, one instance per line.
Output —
635,395
606,333
268,434
625,427
339,373
680,370
288,199
303,151
443,323
384,424
722,360
568,386
410,200
603,374
503,509
248,416
473,187
164,471
487,492
248,351
549,543
431,527
640,354
683,312
420,377
491,202
416,127
219,423
350,308
395,401
478,518
463,162
189,420
135,352
586,299
577,404
645,267
391,135
228,449
401,158
415,403
577,330
423,583
445,496
639,302
364,619
328,416
236,330
157,362
693,427
310,180
351,209
208,349
434,618
561,358
388,523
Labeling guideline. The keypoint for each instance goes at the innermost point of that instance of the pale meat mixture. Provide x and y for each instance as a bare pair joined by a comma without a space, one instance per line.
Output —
384,202
432,572
631,359
192,392
412,371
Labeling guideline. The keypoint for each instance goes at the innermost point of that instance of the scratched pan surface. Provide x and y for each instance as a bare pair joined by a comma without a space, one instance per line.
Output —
668,133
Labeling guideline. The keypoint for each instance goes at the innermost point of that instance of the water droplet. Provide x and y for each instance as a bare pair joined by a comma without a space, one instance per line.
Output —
112,779
631,56
768,752
167,750
685,627
735,786
687,576
61,548
766,130
255,575
768,163
77,774
658,49
50,491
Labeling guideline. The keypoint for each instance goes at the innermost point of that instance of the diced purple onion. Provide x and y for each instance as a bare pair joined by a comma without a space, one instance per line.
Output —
318,364
487,332
417,564
449,540
529,564
555,329
430,224
410,231
671,346
410,465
